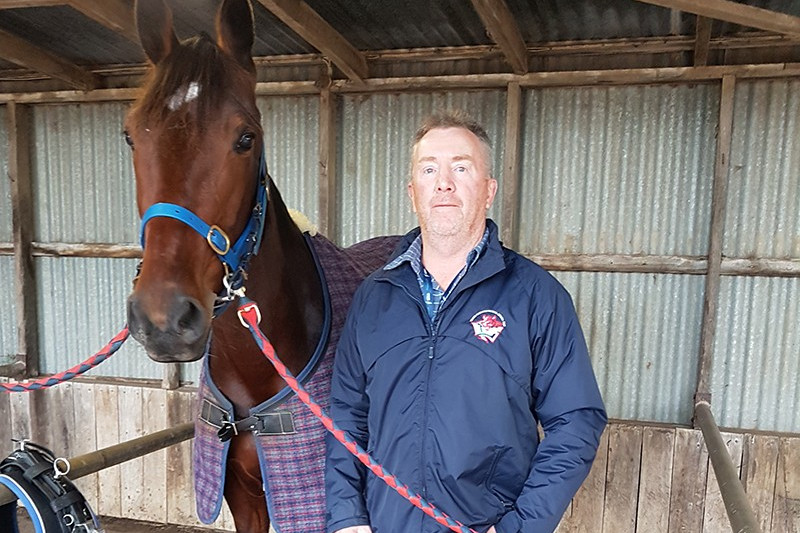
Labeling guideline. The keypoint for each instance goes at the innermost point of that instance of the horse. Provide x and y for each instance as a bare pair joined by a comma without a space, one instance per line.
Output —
197,147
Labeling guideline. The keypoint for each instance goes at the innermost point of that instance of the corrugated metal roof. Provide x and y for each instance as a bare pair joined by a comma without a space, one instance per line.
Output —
376,135
84,188
71,34
371,25
291,134
5,185
8,311
763,215
643,333
624,170
756,364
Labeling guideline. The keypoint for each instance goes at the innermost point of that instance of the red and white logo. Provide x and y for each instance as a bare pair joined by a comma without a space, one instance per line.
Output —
488,325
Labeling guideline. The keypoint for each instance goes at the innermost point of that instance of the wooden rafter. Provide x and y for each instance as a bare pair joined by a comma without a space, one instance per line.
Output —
309,25
502,27
742,14
113,14
702,41
24,54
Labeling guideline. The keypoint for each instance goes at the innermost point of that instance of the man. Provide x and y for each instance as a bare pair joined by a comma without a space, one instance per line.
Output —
451,355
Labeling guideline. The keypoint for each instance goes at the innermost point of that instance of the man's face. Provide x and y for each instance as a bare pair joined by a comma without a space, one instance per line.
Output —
450,187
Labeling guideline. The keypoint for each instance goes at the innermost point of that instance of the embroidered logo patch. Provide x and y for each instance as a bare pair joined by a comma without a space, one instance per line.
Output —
487,325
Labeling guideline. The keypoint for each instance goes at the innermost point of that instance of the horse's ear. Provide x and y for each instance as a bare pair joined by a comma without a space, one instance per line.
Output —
156,33
235,31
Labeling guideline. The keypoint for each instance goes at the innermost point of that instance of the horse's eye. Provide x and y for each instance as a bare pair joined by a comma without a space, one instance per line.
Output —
128,138
245,142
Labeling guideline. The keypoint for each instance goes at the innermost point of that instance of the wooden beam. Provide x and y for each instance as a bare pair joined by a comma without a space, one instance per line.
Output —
113,14
309,25
511,178
22,53
16,4
328,126
20,135
503,29
702,41
742,14
719,200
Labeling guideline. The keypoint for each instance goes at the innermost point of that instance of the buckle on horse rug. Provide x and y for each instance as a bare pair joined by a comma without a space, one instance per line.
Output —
272,423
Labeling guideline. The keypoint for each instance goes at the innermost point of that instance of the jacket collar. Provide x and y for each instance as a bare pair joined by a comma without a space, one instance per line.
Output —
491,261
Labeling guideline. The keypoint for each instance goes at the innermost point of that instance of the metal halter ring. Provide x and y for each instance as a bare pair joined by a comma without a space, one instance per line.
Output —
61,471
216,229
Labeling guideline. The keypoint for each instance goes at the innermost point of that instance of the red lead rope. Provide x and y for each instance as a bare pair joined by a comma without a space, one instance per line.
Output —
61,377
250,316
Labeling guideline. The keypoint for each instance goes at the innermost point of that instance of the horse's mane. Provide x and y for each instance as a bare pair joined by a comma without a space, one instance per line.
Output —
197,60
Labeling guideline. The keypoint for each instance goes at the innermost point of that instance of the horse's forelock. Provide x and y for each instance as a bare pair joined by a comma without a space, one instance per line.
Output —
197,62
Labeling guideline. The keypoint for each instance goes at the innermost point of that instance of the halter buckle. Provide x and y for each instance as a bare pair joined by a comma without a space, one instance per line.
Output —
212,232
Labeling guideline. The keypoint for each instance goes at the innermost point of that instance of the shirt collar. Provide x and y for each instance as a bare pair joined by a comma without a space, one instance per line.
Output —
413,254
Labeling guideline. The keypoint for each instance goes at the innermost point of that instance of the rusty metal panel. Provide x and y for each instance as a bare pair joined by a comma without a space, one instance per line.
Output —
763,214
81,307
8,311
757,354
5,185
643,333
376,136
83,187
291,136
625,170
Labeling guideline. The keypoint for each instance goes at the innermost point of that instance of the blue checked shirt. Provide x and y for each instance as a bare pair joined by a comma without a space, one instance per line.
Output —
432,294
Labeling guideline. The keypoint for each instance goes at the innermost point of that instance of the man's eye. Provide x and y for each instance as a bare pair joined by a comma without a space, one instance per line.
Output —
428,170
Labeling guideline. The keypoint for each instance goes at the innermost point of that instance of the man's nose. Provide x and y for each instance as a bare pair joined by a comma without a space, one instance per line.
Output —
444,181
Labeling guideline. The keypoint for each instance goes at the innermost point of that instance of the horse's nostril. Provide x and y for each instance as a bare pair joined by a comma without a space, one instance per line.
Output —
189,319
138,323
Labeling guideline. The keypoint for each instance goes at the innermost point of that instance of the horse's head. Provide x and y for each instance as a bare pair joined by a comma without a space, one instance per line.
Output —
196,139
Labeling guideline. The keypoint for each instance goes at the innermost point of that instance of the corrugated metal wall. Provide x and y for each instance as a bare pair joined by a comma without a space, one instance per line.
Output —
84,189
375,146
622,170
618,170
8,309
291,128
757,348
626,170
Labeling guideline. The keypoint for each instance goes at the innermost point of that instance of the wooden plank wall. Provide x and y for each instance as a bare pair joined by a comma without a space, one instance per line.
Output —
645,478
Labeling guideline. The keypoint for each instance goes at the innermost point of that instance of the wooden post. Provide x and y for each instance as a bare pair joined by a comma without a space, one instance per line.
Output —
327,164
719,200
19,171
511,175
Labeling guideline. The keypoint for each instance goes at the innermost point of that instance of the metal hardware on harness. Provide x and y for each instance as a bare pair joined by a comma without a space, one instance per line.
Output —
216,230
269,423
248,311
53,503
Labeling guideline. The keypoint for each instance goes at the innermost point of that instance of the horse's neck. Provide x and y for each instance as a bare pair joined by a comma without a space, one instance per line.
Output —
283,281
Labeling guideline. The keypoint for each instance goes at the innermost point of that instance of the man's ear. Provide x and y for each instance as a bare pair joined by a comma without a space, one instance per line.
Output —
410,191
491,192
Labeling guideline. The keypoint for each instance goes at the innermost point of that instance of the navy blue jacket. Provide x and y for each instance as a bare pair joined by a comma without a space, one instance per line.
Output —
451,407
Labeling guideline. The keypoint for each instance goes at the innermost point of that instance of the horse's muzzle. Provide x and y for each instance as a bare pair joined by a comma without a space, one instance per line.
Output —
178,335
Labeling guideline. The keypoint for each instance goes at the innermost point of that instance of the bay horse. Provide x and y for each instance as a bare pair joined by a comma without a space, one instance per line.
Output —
197,147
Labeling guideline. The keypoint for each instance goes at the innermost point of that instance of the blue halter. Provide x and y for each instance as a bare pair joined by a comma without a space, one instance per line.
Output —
234,257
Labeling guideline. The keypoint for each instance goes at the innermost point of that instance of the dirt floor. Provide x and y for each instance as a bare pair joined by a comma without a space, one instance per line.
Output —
119,525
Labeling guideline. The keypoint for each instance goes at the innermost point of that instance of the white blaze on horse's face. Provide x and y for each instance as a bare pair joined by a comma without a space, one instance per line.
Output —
184,95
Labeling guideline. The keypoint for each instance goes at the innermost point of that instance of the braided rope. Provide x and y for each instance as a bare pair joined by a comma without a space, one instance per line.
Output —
93,361
250,315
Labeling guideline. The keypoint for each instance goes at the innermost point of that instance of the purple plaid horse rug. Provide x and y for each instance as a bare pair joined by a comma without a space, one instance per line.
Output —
290,440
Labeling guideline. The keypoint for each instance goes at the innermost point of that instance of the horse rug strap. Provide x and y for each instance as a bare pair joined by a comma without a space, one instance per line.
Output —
260,423
53,503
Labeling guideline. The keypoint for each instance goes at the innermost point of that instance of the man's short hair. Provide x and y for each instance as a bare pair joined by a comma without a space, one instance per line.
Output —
455,119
